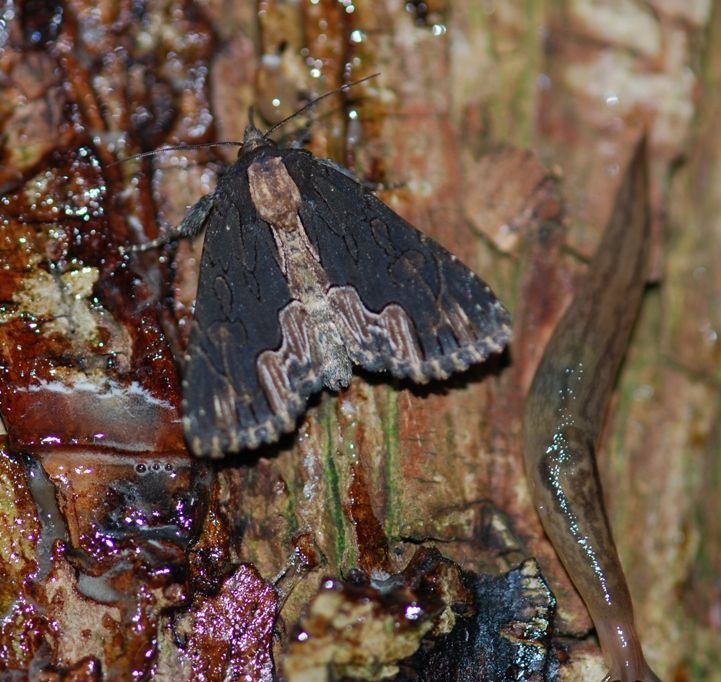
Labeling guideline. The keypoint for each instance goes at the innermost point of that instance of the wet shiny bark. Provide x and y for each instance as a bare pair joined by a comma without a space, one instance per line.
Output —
120,554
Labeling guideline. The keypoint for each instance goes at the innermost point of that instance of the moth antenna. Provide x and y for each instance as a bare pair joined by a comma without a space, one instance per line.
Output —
176,148
315,101
251,116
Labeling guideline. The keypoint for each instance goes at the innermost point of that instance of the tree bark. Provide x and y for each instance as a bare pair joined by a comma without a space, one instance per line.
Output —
500,130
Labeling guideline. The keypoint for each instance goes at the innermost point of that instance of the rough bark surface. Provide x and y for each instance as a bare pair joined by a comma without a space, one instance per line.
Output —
500,129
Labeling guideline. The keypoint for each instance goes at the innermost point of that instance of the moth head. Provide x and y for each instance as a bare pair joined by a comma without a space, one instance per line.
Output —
252,137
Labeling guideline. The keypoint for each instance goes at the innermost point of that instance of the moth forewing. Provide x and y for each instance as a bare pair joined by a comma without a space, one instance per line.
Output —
305,274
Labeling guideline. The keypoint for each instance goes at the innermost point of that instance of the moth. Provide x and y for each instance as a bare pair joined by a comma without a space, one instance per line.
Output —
304,275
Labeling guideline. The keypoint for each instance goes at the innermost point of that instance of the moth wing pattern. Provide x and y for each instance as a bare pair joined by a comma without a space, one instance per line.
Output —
305,273
407,305
225,408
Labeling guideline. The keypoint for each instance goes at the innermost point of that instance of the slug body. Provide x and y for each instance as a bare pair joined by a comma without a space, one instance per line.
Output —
564,413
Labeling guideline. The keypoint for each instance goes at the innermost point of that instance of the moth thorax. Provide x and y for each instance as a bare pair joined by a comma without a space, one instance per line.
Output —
275,196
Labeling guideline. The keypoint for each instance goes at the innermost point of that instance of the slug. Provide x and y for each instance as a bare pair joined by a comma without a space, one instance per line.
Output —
564,412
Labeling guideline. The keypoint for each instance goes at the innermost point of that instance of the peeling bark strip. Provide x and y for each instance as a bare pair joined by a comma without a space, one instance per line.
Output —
304,275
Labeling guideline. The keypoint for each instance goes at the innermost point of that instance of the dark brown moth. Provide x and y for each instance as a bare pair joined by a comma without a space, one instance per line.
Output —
304,275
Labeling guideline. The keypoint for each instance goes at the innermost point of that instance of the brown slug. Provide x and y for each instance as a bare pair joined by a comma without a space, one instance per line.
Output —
564,412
